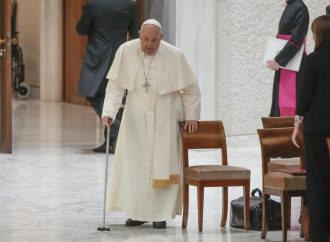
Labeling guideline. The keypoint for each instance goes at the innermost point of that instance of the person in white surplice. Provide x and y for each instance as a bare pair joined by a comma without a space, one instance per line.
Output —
146,177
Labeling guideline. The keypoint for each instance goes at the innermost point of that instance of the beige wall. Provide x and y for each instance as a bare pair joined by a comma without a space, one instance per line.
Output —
243,84
28,25
51,48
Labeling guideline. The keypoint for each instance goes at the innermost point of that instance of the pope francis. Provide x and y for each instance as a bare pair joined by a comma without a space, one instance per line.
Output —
146,177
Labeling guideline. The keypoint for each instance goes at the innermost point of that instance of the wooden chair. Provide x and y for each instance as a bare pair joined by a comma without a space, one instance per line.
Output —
277,142
211,135
281,163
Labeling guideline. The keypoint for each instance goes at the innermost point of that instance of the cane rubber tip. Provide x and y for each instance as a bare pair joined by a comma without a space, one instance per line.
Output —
103,229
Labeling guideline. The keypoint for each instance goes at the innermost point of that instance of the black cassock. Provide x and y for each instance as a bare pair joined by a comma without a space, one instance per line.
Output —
293,26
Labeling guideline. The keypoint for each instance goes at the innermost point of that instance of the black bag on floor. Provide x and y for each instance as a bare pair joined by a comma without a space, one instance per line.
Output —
237,213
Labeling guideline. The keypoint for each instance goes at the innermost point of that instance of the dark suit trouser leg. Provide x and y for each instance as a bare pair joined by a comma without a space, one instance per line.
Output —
317,187
97,105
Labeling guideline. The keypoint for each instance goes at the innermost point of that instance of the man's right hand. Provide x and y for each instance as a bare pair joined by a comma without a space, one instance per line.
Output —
272,65
295,135
107,121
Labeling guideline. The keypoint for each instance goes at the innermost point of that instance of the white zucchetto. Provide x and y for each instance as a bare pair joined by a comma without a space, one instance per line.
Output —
153,22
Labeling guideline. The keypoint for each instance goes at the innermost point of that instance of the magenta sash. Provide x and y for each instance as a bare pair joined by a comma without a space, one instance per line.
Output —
287,87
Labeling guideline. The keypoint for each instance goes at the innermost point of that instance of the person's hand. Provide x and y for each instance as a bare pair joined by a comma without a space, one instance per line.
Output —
14,41
295,136
107,121
272,65
191,125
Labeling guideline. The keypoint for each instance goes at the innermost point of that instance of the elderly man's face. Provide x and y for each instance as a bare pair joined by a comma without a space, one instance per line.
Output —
150,37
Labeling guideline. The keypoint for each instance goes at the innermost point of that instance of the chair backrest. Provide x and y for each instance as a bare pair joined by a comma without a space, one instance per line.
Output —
276,142
209,135
277,122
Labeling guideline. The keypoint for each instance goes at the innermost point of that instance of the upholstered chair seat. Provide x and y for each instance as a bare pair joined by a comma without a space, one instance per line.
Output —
216,172
284,181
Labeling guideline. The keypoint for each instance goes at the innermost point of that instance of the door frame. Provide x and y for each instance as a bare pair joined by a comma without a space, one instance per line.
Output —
6,79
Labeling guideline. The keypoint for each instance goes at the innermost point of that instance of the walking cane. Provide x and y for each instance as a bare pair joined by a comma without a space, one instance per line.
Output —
105,228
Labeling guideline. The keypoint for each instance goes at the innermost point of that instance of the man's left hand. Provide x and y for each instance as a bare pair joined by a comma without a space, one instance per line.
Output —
191,125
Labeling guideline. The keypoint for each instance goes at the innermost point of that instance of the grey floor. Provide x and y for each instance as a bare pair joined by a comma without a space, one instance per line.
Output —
51,186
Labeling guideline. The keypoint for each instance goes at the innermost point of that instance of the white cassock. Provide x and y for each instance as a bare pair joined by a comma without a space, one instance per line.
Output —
146,176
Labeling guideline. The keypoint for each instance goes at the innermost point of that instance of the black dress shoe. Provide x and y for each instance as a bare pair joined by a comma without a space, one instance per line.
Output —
133,223
159,225
102,149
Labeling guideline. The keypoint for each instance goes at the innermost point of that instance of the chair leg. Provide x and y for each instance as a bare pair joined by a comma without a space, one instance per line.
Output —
185,205
224,206
289,212
284,215
246,191
200,194
264,226
301,234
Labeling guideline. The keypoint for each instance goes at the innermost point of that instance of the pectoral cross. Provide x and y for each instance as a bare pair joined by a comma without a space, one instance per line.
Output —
146,86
